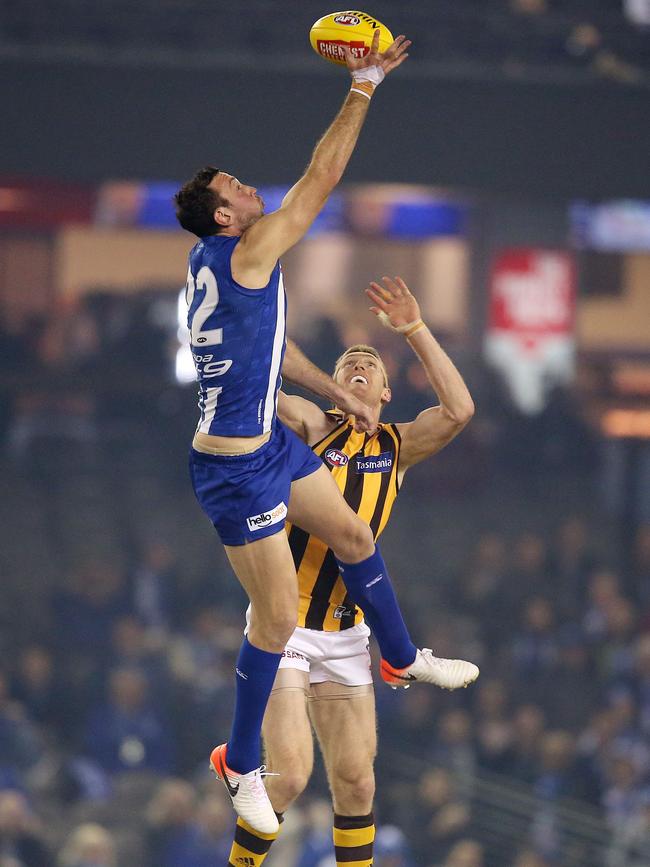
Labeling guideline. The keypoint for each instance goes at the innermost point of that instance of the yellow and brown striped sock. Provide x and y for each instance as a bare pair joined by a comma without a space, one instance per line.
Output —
250,847
353,840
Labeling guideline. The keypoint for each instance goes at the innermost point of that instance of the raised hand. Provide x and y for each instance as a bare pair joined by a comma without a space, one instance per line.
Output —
393,57
393,301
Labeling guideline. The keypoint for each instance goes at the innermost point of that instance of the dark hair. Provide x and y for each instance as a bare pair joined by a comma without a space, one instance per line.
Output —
196,203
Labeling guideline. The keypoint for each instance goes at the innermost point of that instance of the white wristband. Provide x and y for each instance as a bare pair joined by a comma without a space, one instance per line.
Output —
360,92
374,74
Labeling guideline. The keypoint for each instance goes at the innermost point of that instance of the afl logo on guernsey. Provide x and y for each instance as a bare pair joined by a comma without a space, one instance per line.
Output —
350,20
335,458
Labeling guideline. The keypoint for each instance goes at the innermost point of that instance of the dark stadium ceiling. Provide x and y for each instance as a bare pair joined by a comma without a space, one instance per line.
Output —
582,42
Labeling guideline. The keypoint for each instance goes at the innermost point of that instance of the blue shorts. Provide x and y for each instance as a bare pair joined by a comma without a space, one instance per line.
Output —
246,496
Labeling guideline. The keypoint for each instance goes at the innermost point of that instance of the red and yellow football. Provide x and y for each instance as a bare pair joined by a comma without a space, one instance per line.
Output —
332,32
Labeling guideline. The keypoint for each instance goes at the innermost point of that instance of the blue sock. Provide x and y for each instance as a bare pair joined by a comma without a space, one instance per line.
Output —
369,587
255,674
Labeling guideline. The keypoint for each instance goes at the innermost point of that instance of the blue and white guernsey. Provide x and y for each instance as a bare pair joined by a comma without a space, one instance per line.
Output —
237,338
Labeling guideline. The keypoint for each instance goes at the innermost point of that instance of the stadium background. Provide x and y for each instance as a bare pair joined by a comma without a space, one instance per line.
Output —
518,130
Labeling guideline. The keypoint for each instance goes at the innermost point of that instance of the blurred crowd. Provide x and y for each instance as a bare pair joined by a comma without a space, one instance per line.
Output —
608,38
117,659
110,712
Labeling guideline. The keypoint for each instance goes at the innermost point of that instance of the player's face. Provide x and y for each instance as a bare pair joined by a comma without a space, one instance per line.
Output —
363,374
245,206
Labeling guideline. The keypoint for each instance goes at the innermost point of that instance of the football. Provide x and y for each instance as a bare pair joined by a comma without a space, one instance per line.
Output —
332,32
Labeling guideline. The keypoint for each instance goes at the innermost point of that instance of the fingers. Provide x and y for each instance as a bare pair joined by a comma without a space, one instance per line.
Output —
389,67
394,290
404,289
395,287
396,54
385,291
393,57
397,48
392,286
373,292
400,44
374,56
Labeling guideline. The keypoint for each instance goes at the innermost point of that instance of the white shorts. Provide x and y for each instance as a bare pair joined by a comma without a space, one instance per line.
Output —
340,657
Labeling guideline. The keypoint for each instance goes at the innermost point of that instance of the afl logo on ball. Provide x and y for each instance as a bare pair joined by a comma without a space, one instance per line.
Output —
335,458
352,20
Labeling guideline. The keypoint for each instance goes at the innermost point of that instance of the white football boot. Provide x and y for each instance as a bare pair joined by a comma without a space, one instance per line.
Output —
247,793
427,668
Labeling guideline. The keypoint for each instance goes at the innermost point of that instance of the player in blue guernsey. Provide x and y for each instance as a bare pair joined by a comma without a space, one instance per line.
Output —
238,377
249,471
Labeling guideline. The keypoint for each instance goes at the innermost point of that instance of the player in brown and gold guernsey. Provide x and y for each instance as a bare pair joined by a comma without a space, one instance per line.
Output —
324,678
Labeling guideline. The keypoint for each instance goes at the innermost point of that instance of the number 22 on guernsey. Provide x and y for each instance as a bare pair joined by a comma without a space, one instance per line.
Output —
206,283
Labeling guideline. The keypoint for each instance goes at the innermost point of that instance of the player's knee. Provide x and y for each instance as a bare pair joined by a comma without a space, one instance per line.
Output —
354,790
363,789
358,542
289,785
285,623
272,629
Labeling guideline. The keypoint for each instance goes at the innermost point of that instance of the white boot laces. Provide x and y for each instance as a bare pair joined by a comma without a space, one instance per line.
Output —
257,786
434,660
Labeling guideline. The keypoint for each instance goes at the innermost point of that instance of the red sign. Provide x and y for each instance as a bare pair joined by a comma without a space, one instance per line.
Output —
30,204
532,294
530,324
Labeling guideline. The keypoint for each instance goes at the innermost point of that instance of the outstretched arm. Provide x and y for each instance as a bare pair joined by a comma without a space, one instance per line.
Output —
434,427
264,242
299,370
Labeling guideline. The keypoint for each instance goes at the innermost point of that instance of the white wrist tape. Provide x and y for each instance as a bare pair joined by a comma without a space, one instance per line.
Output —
399,329
374,74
